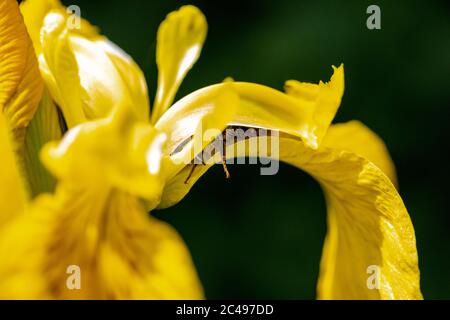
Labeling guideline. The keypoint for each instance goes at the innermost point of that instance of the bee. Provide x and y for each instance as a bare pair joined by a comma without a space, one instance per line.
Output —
230,135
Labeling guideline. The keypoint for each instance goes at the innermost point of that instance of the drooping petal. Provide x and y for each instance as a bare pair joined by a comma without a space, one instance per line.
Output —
369,229
355,137
13,197
368,225
180,40
20,83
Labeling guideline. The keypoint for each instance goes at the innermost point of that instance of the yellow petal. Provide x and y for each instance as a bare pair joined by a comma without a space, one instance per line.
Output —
119,151
369,229
88,75
264,107
120,251
180,39
60,70
12,192
44,127
323,99
355,137
20,83
190,120
97,222
103,84
258,106
34,12
368,225
132,76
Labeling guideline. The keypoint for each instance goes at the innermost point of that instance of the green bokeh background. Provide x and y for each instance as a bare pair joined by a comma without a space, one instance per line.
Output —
261,236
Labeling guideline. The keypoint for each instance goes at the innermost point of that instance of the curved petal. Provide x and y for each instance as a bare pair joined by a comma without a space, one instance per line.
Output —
299,114
193,122
260,106
20,83
180,39
12,192
368,225
355,137
323,98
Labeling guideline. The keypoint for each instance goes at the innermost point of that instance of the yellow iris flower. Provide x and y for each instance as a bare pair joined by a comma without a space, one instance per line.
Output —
79,105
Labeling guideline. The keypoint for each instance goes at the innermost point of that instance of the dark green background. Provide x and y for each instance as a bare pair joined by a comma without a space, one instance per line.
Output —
261,236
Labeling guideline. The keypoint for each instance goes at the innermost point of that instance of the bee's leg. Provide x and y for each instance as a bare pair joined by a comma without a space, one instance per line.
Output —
223,151
190,173
198,160
224,164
